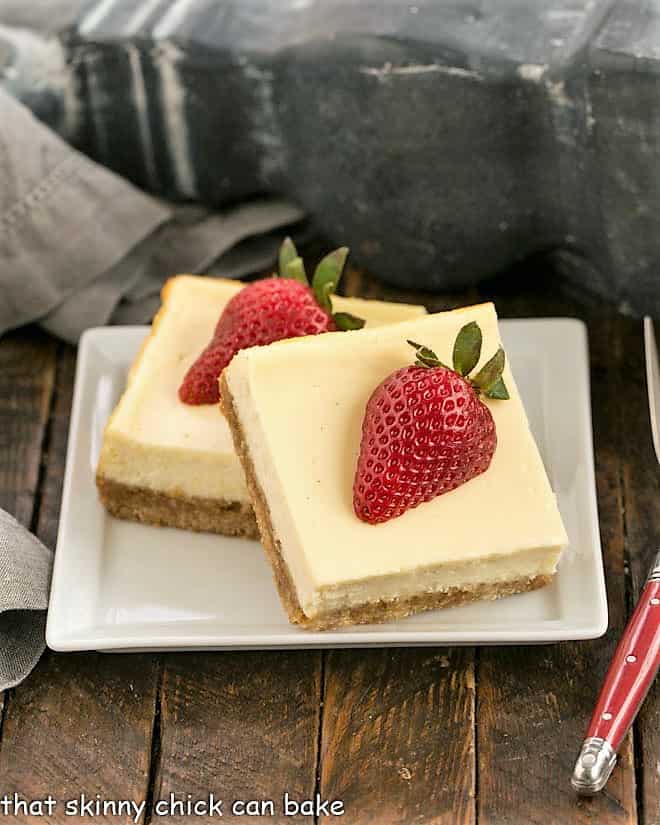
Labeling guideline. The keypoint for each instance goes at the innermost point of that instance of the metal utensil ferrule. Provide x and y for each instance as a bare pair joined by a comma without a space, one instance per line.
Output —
654,575
594,766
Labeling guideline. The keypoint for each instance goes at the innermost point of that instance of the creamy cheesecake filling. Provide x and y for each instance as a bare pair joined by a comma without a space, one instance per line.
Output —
175,471
527,564
153,439
300,405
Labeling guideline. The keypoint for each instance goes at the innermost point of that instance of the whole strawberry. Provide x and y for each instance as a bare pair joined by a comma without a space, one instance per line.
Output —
266,311
426,431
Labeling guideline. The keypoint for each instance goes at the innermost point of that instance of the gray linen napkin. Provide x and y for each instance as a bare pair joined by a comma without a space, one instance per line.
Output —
64,220
25,565
81,247
189,242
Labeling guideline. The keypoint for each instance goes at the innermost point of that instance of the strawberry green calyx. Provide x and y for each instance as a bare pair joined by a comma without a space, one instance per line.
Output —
287,254
325,281
466,354
498,391
426,357
324,284
490,373
290,264
467,348
327,275
346,321
295,270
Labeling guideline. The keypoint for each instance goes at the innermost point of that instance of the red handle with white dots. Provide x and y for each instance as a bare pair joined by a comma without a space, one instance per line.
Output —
631,672
627,682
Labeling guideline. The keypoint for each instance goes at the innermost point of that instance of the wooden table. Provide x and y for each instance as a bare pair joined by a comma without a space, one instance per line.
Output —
462,735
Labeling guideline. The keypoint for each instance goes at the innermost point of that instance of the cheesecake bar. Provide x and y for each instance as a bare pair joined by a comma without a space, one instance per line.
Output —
168,463
296,409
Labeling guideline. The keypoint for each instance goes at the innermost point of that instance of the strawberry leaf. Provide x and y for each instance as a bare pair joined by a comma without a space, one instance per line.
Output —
467,348
324,296
498,391
425,356
346,321
287,253
327,275
490,373
295,269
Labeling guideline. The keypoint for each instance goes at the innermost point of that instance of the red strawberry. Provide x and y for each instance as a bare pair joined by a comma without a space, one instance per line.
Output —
426,431
267,311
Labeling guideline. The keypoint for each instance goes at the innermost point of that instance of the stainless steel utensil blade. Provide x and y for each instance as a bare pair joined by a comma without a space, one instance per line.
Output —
652,381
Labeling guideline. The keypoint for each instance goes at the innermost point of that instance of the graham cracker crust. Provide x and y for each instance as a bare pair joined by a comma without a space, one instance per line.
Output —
369,613
203,515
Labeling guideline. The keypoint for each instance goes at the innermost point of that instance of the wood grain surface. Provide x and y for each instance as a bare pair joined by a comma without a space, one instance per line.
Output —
397,741
402,737
79,723
248,723
27,378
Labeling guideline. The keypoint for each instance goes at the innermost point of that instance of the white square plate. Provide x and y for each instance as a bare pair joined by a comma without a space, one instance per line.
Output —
119,585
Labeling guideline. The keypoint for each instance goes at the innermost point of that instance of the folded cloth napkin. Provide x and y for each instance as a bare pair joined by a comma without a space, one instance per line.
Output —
25,565
191,241
81,247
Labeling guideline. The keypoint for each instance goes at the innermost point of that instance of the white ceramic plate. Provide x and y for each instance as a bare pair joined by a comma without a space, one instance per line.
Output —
119,585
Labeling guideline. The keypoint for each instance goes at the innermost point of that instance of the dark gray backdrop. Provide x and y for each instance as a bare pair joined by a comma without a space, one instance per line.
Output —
441,140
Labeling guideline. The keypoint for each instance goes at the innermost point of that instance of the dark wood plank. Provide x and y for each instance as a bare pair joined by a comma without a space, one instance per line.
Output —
534,703
641,491
53,456
79,723
241,725
397,742
27,375
647,731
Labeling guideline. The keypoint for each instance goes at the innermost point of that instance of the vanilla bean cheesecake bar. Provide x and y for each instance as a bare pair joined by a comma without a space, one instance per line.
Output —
168,463
295,409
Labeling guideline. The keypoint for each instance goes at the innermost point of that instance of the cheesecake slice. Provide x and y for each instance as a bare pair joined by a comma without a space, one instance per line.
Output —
296,409
167,463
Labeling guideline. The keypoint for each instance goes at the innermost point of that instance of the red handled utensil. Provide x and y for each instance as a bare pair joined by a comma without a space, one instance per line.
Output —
637,656
627,682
